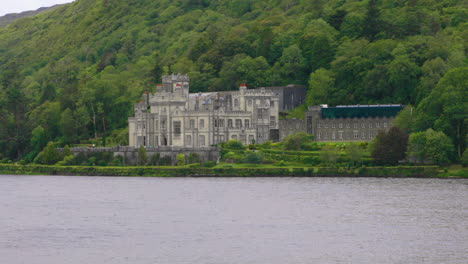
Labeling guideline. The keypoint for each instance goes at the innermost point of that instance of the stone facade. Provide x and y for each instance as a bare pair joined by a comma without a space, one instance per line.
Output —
291,126
349,123
130,154
290,96
174,117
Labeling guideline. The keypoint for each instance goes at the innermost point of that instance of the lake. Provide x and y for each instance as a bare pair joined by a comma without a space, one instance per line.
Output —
59,219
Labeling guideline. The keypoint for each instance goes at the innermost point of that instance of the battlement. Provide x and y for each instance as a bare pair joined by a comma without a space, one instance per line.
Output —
175,78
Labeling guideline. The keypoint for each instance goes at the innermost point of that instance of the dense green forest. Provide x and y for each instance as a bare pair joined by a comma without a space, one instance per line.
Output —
73,73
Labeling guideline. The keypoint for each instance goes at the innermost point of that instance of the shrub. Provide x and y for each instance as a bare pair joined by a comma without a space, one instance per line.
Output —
92,161
180,158
142,157
117,161
233,144
194,165
253,158
209,164
295,141
68,160
165,161
193,158
280,163
464,158
155,159
329,154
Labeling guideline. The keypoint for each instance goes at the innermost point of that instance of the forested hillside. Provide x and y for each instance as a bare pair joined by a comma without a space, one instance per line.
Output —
73,73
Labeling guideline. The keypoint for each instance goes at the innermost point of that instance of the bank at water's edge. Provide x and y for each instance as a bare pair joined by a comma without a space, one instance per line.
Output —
401,171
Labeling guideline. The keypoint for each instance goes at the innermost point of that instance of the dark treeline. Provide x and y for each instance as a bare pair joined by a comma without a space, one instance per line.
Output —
73,73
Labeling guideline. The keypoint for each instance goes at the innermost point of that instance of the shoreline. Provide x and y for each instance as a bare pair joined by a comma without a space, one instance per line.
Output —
374,172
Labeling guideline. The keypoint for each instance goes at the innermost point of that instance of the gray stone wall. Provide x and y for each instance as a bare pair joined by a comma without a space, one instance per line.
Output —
291,126
131,153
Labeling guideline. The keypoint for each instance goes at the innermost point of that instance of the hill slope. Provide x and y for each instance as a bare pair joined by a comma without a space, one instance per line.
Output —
10,18
75,71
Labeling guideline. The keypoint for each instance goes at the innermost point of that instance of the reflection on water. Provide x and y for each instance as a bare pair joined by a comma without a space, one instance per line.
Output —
56,220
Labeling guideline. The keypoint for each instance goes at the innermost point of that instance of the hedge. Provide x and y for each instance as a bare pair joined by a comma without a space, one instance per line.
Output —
402,171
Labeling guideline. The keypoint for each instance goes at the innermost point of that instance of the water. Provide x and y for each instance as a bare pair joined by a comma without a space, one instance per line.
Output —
53,219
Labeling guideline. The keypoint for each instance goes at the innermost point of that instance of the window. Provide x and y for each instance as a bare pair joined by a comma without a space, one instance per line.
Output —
250,102
221,122
202,123
377,124
229,123
333,125
272,121
177,128
326,135
247,123
251,139
340,134
363,135
319,135
384,124
326,125
356,134
370,125
340,125
221,138
319,125
272,103
243,139
163,124
333,135
236,102
355,125
192,123
347,125
238,123
363,125
188,140
201,140
234,137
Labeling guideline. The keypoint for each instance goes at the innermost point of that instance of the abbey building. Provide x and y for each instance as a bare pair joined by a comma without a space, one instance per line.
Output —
175,117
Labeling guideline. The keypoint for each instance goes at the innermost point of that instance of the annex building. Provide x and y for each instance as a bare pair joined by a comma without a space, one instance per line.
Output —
343,122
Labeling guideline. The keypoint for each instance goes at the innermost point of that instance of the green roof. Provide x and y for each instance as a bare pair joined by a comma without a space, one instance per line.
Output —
360,111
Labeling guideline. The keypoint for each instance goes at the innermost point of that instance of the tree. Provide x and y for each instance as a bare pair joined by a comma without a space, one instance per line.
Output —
290,68
38,139
48,156
404,119
68,126
142,158
372,24
321,84
354,153
389,147
431,146
446,107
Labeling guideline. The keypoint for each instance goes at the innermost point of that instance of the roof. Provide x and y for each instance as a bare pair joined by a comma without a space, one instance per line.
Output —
361,111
